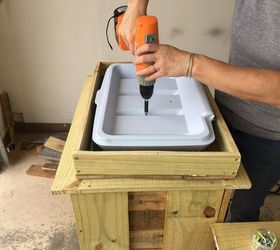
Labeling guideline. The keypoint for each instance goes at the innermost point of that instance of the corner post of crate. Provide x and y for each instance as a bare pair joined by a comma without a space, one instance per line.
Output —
101,220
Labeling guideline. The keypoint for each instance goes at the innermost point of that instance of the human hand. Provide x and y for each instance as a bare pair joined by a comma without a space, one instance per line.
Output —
165,60
135,9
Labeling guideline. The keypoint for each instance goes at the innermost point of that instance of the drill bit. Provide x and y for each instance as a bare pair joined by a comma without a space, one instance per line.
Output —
146,107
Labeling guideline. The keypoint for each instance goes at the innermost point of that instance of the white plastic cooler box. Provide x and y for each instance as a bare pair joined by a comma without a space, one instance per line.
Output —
179,113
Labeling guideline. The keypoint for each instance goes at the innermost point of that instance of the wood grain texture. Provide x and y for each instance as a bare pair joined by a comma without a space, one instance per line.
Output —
186,227
148,239
65,179
195,164
38,170
143,201
225,203
136,185
102,220
55,144
233,236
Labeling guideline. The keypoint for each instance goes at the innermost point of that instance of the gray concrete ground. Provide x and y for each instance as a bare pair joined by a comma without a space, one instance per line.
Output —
33,219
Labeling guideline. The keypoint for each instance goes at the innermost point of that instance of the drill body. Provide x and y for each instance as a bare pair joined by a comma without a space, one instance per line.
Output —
146,31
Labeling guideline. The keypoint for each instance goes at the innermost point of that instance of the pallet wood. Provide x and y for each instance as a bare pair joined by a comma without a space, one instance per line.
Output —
41,138
147,239
50,154
54,144
50,166
38,170
232,236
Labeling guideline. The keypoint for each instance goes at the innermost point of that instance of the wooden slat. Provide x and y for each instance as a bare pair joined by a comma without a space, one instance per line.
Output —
151,239
38,170
65,179
142,201
146,220
78,138
224,205
241,182
55,144
153,177
186,227
50,166
135,185
102,220
195,164
232,236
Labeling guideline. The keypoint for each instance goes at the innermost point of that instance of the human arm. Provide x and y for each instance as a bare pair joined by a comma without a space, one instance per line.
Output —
135,8
261,85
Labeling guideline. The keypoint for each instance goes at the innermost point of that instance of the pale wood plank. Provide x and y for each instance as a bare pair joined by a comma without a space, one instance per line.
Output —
232,236
65,179
224,205
197,164
135,185
153,177
102,220
55,144
186,227
38,170
241,182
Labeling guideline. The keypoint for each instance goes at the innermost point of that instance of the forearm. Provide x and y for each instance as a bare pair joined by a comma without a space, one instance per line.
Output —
138,5
246,83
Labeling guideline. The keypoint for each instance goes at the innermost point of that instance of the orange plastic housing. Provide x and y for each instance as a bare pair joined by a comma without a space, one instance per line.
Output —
145,26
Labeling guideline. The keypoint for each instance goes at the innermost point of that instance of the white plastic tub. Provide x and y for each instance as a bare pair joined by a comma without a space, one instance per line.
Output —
179,113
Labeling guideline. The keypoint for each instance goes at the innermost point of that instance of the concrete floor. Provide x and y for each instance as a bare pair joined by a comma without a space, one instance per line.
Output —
30,217
33,219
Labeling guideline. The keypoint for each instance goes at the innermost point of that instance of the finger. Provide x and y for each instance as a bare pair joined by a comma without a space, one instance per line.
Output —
146,48
132,44
147,71
147,58
154,76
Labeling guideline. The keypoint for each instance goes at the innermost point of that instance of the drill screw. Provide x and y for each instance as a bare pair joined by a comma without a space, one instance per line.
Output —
146,107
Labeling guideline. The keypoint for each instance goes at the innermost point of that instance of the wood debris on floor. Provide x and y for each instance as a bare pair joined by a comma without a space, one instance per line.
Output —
49,147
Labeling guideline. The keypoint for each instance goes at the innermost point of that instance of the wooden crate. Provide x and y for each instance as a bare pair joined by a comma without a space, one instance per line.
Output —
220,160
145,199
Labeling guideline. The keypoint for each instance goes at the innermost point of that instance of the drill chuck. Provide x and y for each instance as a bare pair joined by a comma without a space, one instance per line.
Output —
146,91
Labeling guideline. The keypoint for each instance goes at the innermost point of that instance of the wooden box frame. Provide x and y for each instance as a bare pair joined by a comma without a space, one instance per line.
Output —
220,160
113,192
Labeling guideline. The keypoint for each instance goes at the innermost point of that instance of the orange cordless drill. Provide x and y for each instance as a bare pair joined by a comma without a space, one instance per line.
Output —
146,31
